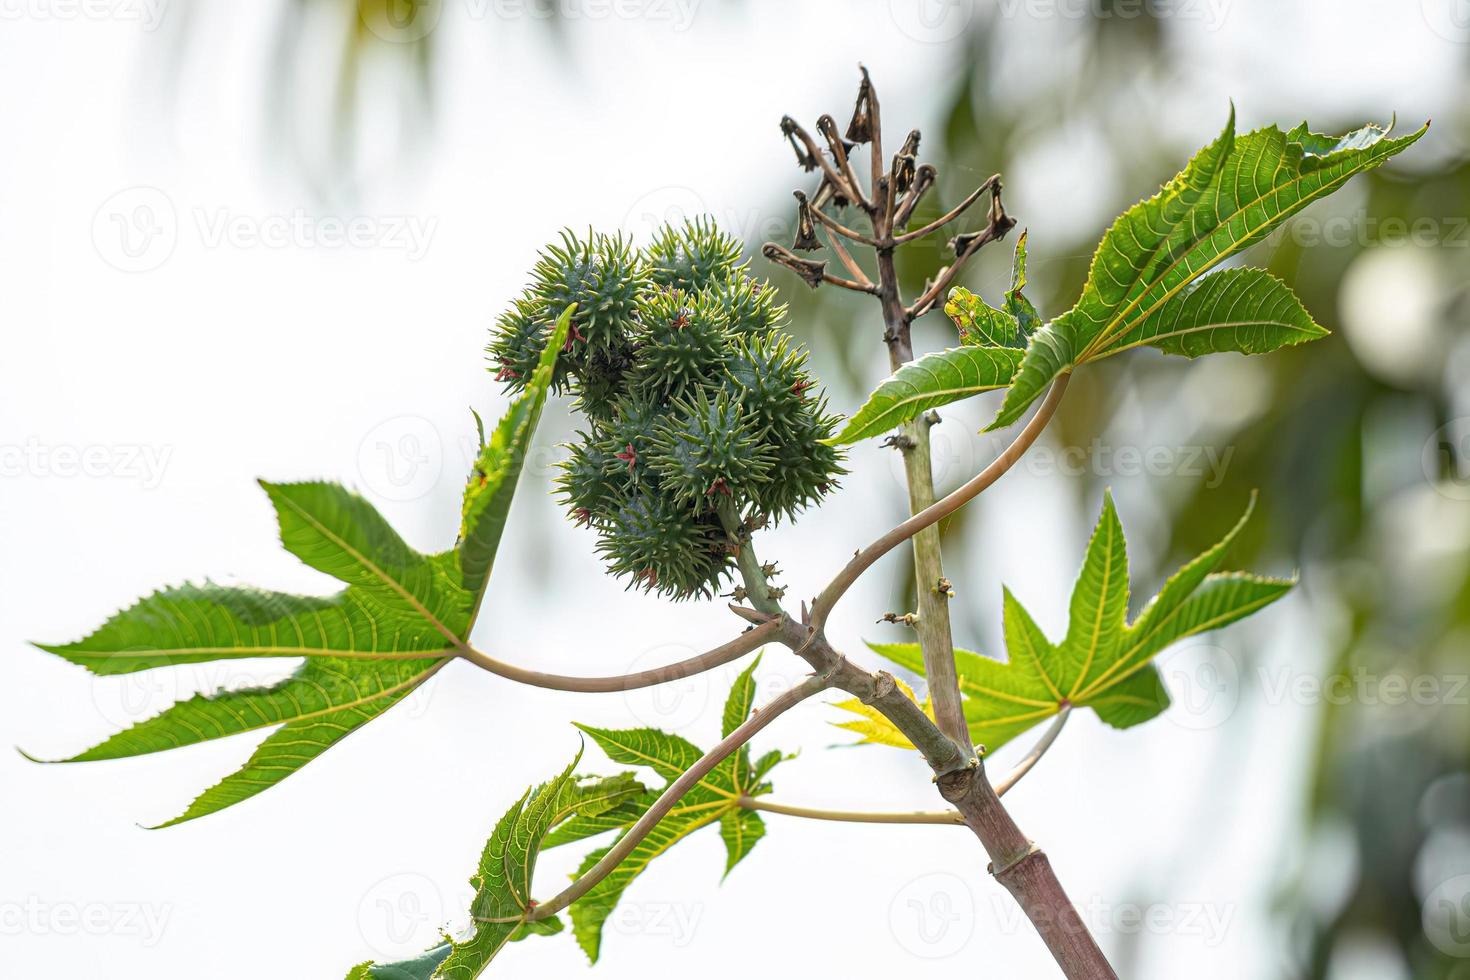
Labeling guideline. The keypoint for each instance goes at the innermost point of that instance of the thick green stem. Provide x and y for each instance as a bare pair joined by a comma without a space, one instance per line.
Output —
935,636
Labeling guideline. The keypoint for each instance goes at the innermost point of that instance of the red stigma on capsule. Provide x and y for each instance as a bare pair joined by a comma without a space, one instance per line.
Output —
681,321
629,456
506,372
719,486
573,334
583,516
801,386
649,576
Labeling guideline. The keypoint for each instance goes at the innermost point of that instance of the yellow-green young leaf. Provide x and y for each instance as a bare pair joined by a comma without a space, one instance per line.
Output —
366,648
737,708
740,700
979,323
1017,305
1103,662
740,829
503,882
1232,194
872,725
935,379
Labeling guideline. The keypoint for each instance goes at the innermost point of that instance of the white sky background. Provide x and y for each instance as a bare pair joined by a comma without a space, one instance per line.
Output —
223,359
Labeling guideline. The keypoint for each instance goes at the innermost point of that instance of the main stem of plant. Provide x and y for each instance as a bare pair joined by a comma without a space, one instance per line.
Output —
1019,865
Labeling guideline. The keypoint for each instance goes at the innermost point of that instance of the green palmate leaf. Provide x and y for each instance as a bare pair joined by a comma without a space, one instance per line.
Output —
706,803
1248,311
933,380
1232,194
502,905
493,482
1103,662
394,625
198,623
339,533
714,800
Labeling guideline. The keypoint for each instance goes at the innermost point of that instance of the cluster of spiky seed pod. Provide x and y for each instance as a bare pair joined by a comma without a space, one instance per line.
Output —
701,418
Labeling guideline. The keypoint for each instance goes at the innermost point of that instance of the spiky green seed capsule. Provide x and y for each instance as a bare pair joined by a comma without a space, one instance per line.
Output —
701,413
751,306
694,257
626,440
680,338
604,277
665,548
805,469
771,379
585,483
708,451
516,346
600,383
